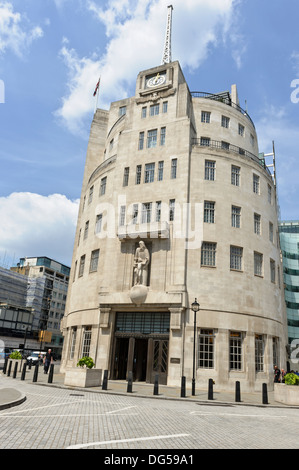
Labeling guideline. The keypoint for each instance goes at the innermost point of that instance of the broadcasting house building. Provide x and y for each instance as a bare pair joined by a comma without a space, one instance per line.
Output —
177,204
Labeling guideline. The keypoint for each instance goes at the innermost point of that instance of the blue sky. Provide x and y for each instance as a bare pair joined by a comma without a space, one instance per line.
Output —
52,53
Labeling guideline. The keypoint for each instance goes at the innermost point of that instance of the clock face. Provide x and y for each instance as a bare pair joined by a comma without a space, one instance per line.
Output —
157,80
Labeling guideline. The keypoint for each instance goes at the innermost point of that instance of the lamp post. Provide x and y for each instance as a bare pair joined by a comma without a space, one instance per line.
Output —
195,308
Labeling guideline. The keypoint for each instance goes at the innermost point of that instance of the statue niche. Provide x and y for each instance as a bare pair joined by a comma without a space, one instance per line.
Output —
141,265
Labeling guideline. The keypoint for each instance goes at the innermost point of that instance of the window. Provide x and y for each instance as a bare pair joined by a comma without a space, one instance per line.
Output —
103,186
79,236
235,350
224,145
122,110
152,138
135,214
236,216
165,107
275,351
146,213
174,163
236,255
73,342
272,270
122,215
143,112
241,130
90,195
205,141
149,173
205,117
81,266
258,264
235,175
271,232
206,349
208,254
257,224
141,141
259,353
171,210
160,170
158,211
225,121
126,176
86,230
256,184
209,212
210,170
98,226
111,143
154,109
252,139
94,259
86,341
163,136
138,174
269,194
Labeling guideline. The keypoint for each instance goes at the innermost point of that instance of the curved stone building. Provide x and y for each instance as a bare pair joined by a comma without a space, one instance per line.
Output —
176,205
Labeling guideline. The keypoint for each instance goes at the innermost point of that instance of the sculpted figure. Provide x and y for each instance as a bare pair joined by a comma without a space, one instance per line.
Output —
141,262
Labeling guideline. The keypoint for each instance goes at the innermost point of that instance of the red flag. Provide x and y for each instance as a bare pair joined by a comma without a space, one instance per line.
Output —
96,88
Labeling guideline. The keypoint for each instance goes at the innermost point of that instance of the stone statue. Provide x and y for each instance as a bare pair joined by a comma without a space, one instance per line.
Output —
141,262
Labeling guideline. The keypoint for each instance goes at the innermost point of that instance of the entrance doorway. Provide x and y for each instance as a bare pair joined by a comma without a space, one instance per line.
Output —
145,357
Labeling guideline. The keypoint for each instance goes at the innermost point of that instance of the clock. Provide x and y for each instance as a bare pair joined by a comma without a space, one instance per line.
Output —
155,80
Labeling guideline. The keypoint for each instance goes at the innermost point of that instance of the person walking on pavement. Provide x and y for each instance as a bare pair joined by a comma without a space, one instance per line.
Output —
48,359
276,374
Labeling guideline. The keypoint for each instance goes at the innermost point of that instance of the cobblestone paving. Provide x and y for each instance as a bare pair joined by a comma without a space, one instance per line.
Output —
55,418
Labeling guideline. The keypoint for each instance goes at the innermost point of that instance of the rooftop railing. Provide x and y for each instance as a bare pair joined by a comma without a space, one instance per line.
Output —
222,98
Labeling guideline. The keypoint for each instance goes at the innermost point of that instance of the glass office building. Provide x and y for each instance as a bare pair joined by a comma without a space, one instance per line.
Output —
289,242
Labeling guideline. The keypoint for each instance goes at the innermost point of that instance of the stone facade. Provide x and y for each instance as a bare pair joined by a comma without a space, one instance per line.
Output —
180,172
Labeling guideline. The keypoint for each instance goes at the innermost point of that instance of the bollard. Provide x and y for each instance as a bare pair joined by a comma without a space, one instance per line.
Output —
183,387
5,365
210,392
15,370
51,373
30,364
238,392
105,380
156,385
35,375
23,371
130,382
9,368
265,394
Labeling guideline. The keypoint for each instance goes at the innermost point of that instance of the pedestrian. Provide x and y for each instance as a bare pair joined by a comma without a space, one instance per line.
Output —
276,374
48,359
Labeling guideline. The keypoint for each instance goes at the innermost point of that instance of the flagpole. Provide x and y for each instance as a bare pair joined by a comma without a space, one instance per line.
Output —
97,95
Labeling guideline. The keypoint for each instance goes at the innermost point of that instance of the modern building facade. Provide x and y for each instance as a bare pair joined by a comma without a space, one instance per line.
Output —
176,205
47,284
289,242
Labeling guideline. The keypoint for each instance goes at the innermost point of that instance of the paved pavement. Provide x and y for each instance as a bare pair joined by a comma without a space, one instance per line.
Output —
10,397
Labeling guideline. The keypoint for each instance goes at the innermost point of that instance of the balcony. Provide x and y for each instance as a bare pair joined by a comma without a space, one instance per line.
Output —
149,231
227,147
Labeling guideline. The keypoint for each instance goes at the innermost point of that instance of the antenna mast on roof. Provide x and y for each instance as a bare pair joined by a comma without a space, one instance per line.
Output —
167,46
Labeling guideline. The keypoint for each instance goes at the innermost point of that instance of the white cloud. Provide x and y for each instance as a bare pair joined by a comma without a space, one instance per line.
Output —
136,34
35,225
15,32
276,124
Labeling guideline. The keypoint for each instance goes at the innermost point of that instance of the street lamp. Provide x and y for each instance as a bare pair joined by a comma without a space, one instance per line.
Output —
195,308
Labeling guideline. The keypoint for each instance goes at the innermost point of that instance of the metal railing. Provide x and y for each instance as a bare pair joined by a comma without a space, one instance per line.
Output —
220,145
222,98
